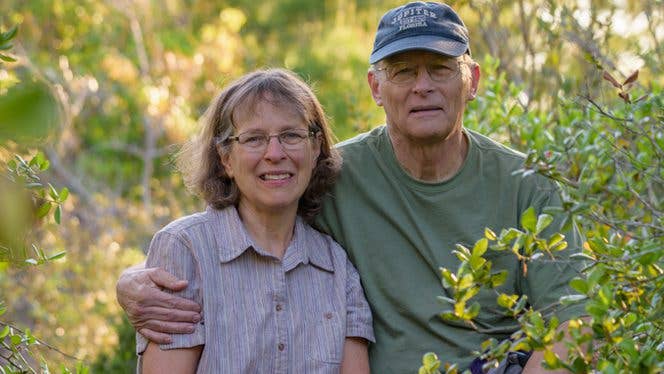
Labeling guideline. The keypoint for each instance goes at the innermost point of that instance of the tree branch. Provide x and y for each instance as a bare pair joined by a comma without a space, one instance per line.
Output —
41,342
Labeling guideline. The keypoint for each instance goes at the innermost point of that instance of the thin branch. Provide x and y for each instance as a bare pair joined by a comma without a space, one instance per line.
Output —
605,113
41,342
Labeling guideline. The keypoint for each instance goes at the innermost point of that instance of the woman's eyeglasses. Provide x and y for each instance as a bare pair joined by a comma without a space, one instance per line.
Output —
256,141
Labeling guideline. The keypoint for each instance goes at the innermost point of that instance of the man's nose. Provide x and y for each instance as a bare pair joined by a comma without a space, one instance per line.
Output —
423,82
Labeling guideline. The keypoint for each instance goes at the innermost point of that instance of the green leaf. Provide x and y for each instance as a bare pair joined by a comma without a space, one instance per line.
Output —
506,301
476,262
551,358
559,246
579,285
463,250
555,239
64,194
506,236
45,165
449,280
43,210
57,214
29,112
52,192
16,340
571,299
529,220
521,303
9,34
498,278
629,319
466,281
473,311
4,332
57,256
430,361
543,221
480,247
595,275
584,256
521,345
489,234
7,58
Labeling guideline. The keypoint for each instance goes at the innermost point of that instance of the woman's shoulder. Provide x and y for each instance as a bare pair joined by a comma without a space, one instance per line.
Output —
183,224
195,222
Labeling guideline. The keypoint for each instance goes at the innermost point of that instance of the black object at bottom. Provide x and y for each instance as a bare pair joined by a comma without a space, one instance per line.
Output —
512,364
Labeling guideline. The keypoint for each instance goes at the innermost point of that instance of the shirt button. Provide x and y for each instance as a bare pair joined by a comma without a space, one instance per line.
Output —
329,315
281,346
279,307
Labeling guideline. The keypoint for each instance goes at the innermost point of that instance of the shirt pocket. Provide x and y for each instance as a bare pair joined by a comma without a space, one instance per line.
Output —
325,337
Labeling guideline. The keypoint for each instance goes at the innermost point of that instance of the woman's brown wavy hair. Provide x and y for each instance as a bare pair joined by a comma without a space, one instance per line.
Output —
199,160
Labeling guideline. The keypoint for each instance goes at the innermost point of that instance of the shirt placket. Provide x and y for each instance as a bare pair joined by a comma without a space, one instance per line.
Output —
281,316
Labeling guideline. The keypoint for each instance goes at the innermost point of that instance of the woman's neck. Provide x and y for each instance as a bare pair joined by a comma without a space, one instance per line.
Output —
272,231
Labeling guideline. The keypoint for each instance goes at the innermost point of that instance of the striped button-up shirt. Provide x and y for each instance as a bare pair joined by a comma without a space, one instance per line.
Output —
261,314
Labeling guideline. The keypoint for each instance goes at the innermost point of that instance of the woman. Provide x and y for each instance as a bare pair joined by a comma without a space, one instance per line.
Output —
277,295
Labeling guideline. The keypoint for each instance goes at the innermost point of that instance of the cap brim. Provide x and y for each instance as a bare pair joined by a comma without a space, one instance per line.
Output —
432,43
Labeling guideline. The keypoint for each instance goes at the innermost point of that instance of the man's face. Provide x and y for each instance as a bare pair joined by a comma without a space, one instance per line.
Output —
423,102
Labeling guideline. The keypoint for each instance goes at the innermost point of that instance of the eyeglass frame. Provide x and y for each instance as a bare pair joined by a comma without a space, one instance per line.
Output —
311,133
426,66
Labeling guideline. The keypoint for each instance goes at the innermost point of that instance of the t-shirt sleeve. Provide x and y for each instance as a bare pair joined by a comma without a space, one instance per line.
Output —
172,253
547,278
358,314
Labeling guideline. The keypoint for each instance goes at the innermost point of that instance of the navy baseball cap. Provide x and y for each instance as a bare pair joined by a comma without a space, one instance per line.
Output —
420,25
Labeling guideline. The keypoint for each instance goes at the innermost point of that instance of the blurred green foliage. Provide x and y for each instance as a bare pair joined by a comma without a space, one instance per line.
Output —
105,89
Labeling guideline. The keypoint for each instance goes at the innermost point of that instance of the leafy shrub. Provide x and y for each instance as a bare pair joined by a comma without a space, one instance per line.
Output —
608,155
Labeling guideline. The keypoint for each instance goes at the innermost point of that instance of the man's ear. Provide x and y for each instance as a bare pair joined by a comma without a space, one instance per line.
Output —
474,81
374,85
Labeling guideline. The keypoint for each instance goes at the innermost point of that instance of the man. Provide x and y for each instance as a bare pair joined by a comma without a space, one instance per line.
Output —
408,192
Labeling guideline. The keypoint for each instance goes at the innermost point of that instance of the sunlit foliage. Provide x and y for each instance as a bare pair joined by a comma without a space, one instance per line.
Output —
116,85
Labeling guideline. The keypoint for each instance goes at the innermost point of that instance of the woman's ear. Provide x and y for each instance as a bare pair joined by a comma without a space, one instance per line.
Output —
318,140
225,159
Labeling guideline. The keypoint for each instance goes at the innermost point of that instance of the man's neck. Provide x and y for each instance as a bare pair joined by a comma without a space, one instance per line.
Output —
431,162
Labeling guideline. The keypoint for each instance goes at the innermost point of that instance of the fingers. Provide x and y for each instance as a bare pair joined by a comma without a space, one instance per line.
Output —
145,314
156,298
163,327
164,279
155,337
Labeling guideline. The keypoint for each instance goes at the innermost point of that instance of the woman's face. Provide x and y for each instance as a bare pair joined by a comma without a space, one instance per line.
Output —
271,178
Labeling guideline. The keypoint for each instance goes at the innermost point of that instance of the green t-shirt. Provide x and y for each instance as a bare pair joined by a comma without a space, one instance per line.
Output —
398,231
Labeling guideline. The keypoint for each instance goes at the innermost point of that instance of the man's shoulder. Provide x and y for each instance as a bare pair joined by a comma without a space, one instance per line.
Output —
506,161
325,244
486,145
359,142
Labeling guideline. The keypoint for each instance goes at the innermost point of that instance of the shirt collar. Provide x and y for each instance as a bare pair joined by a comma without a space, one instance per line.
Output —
307,245
233,240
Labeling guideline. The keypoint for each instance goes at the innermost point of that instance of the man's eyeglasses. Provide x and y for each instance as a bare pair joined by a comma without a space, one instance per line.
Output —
403,73
256,141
